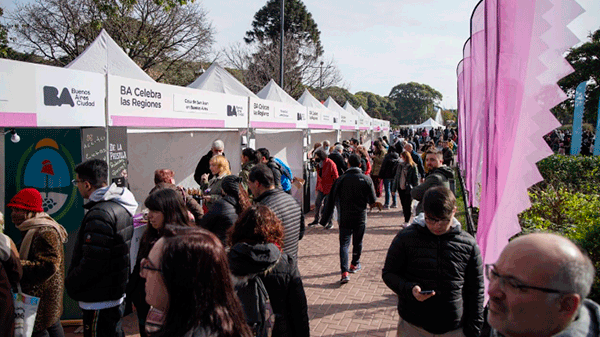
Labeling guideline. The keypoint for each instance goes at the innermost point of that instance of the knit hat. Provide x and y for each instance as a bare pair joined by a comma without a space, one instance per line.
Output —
231,185
28,199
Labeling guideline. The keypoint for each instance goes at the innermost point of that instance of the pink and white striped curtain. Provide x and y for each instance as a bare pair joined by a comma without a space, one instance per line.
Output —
506,88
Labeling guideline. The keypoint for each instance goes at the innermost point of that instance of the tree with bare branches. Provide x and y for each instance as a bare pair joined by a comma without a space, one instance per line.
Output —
158,39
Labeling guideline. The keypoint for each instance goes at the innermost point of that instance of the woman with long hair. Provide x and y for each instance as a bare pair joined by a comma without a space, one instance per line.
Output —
189,287
165,178
256,251
42,257
365,159
405,179
219,167
379,153
225,211
249,159
165,207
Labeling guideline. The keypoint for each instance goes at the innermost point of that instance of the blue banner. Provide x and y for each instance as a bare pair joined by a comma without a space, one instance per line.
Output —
597,142
577,118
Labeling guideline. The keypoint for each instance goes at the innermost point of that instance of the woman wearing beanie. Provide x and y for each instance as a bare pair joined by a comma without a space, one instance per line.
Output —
42,257
224,212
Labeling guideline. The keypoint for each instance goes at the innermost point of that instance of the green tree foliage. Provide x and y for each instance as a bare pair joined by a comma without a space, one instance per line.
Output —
378,106
298,24
414,102
585,59
568,203
158,40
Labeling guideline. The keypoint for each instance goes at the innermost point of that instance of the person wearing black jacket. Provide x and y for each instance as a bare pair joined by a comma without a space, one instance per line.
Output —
436,269
387,173
338,159
225,211
99,269
256,239
352,191
203,166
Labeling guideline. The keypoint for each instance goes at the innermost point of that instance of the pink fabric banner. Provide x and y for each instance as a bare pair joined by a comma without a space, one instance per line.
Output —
506,88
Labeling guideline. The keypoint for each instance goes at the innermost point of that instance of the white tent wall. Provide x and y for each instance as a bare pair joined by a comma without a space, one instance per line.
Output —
178,150
285,145
320,136
346,135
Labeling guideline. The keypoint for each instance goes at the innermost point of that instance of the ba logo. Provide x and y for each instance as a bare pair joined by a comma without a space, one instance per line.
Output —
231,111
300,116
335,120
51,97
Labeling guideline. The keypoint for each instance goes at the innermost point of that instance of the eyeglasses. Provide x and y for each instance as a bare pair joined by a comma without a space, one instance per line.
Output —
491,274
145,264
433,221
76,181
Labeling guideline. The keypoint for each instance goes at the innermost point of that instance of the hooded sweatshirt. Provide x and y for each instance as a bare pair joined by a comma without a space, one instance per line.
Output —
437,177
280,275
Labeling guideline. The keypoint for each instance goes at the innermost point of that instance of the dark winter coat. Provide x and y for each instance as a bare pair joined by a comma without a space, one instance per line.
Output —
289,212
353,191
450,264
339,161
412,179
100,265
438,177
417,159
192,205
283,282
277,172
204,167
221,217
389,165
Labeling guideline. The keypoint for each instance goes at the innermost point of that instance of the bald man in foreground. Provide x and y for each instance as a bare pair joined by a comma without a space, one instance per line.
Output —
538,287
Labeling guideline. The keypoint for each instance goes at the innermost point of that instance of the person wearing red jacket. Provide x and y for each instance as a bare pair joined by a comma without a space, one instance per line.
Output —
326,175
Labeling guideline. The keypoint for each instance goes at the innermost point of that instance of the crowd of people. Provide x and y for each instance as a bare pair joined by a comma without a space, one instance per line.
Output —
226,264
560,142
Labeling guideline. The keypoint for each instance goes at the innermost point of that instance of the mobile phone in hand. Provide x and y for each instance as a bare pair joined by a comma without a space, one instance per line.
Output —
426,292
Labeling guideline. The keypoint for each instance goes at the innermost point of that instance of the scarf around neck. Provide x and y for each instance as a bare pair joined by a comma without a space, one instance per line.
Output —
31,226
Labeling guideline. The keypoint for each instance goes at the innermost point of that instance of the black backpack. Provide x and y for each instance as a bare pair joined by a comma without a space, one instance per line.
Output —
257,307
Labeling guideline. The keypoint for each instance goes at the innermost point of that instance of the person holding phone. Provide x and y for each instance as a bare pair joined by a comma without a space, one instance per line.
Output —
436,270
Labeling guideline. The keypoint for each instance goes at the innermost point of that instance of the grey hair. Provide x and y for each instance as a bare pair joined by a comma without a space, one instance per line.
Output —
339,148
326,144
576,275
218,145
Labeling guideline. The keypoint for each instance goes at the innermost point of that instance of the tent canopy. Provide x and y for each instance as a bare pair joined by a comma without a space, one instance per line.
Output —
104,56
273,92
218,79
430,124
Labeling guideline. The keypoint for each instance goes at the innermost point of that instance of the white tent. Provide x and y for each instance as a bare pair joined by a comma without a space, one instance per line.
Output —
218,79
348,121
285,144
319,135
106,57
438,117
430,124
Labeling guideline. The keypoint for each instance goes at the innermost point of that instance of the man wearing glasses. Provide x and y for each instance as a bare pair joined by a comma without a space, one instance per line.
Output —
99,268
538,287
436,270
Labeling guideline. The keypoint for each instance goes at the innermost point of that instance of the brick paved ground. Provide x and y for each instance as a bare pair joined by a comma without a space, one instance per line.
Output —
364,306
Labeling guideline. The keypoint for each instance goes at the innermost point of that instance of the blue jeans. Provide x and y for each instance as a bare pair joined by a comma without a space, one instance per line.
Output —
356,234
387,184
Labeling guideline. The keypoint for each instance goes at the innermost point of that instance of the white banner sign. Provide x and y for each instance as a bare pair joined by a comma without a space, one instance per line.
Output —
146,104
33,95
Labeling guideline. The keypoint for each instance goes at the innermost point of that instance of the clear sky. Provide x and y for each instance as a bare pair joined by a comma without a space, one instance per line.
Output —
376,45
379,44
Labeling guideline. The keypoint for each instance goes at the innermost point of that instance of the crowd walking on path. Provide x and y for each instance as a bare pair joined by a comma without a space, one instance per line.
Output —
230,260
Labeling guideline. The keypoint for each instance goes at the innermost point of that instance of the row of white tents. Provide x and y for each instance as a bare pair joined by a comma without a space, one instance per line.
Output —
171,126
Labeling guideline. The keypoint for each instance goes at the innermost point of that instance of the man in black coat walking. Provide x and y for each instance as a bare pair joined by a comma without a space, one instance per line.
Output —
352,192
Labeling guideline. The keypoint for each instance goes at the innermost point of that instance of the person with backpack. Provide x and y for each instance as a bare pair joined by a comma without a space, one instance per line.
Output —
281,172
267,280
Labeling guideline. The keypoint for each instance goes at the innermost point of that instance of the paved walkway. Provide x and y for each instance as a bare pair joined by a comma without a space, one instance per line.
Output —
363,307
